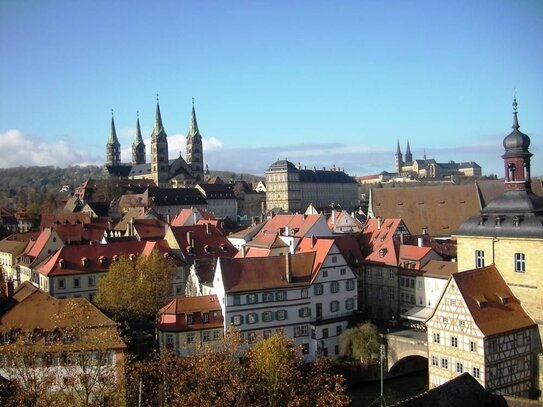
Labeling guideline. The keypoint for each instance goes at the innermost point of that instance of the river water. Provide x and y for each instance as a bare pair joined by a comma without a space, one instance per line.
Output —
395,390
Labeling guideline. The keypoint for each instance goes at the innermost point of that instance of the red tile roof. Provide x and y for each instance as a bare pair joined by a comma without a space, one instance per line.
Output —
302,223
440,269
379,243
186,217
494,317
321,248
98,258
172,317
42,240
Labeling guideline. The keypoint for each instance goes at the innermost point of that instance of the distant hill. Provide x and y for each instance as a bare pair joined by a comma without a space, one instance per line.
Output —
22,186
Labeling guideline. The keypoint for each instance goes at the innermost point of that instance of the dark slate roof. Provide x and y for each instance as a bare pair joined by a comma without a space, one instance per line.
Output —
469,164
218,191
512,214
122,170
282,165
176,196
325,176
463,390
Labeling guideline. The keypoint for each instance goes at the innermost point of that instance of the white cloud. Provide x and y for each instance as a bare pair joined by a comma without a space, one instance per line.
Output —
19,149
211,143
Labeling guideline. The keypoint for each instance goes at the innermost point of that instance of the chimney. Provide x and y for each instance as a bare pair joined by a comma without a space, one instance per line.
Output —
313,241
243,251
379,222
190,238
208,231
287,231
194,220
401,238
287,268
420,242
333,216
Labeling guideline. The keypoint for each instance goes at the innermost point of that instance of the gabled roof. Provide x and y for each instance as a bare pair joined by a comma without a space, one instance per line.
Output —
51,219
42,240
265,273
175,196
217,191
436,210
208,243
299,224
14,247
321,248
379,244
149,228
191,216
350,248
483,290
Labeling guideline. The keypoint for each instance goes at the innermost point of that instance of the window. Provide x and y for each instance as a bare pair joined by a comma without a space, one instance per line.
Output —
48,359
190,337
303,293
380,274
301,330
349,285
434,361
349,303
215,315
334,259
325,332
190,319
472,346
334,287
459,367
267,297
454,341
281,315
334,306
76,282
91,281
520,262
476,372
267,334
169,340
325,273
205,317
252,318
216,335
342,271
391,293
436,338
61,284
251,337
67,337
237,300
444,363
479,258
391,274
305,348
267,316
206,336
280,296
237,320
304,312
49,338
252,298
338,330
336,349
317,289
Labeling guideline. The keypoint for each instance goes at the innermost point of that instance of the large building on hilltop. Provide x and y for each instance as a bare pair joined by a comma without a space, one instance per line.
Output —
430,168
176,173
293,189
508,232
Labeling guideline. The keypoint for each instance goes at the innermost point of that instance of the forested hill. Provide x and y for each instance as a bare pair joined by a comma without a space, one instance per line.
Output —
21,187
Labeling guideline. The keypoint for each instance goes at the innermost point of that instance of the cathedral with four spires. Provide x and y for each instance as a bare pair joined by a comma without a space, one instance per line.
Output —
165,172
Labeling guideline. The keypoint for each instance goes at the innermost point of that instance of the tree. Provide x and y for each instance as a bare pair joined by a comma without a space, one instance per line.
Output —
137,288
360,342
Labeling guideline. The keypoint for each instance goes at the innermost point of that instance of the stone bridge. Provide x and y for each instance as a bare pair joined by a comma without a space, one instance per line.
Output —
406,346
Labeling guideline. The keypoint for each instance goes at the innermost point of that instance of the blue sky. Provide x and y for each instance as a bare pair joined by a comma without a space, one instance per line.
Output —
317,82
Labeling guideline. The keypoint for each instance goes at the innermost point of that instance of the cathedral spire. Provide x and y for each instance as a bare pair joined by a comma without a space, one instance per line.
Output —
193,126
112,133
137,137
408,155
515,118
138,147
398,151
158,118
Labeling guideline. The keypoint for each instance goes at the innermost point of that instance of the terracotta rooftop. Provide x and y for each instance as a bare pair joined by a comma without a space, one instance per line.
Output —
190,216
487,286
172,317
437,210
378,241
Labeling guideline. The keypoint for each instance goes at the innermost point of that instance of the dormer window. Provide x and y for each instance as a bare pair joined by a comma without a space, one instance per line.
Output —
207,249
504,299
115,258
190,319
190,250
482,302
482,219
84,262
223,247
62,263
382,252
103,260
499,220
132,256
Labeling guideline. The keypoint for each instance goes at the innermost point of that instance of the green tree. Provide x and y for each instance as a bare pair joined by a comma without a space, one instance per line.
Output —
360,342
136,288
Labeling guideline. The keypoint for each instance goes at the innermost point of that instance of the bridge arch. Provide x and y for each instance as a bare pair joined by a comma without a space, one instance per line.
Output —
409,363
